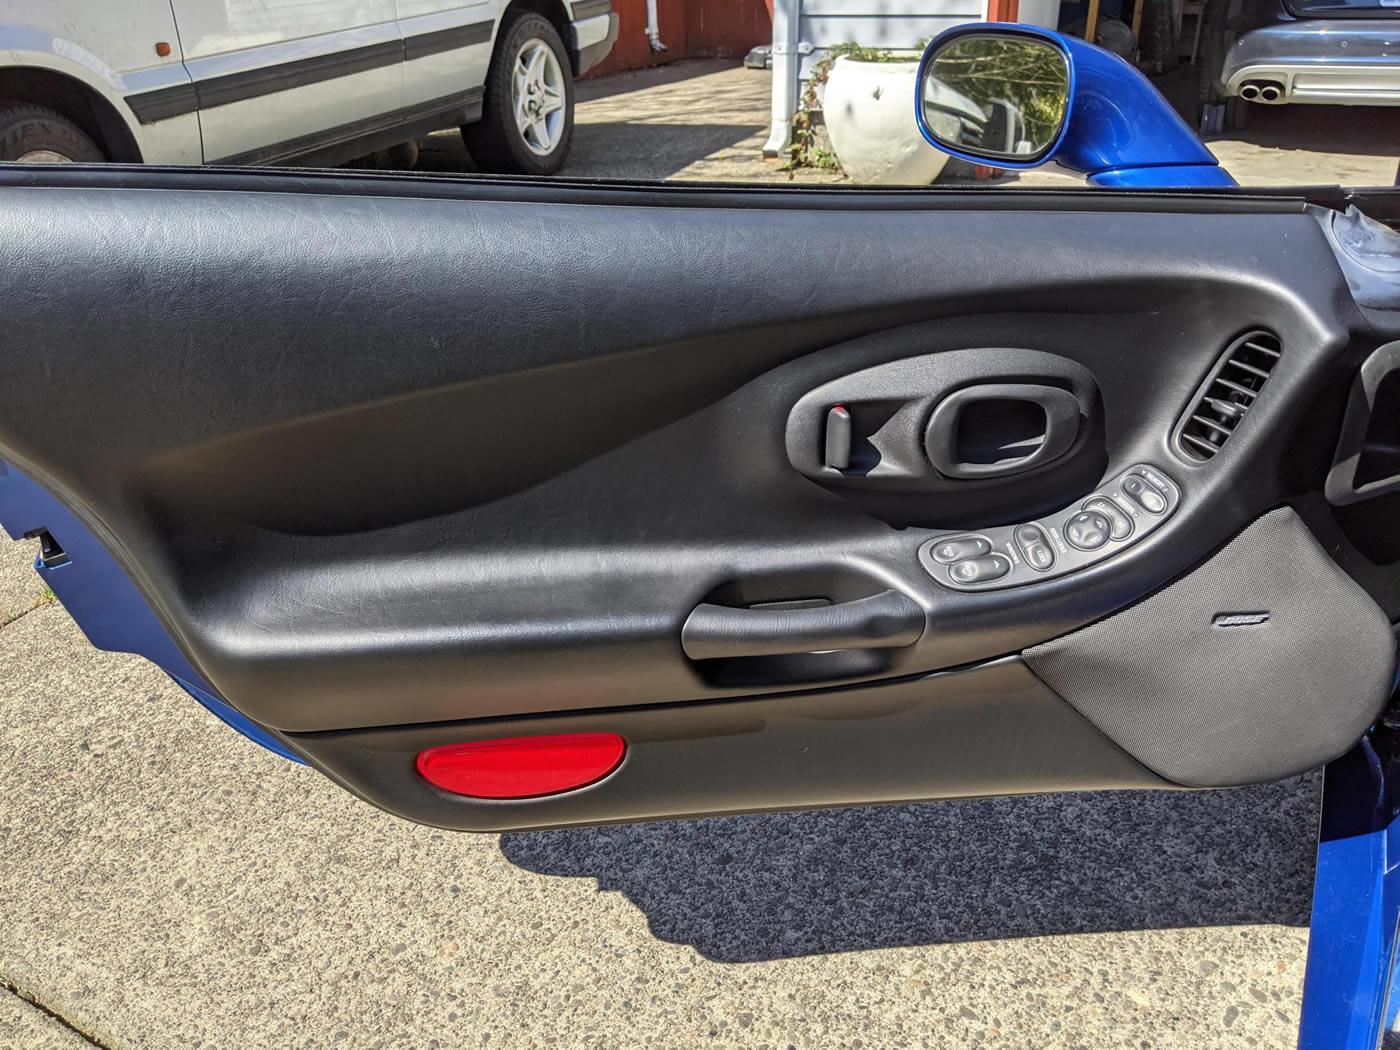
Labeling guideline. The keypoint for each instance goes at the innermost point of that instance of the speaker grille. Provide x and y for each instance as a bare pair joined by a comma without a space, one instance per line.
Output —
1226,395
1265,660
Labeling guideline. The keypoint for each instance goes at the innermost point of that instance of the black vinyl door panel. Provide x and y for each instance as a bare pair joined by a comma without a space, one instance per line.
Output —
398,470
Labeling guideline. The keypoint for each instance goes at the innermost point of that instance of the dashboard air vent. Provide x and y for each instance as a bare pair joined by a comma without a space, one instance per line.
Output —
1226,395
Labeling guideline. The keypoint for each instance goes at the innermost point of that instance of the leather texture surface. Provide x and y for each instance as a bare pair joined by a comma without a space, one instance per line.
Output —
987,730
380,458
405,461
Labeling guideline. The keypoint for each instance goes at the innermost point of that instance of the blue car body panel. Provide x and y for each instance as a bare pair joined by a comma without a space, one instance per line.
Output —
1349,994
103,600
1162,176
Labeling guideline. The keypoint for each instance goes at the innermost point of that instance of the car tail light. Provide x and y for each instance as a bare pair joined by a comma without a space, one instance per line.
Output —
522,767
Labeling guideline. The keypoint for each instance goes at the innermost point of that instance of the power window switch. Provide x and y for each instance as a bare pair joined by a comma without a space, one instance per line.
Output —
980,570
958,548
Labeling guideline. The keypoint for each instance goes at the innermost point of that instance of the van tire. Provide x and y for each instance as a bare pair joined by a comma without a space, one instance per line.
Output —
37,134
494,142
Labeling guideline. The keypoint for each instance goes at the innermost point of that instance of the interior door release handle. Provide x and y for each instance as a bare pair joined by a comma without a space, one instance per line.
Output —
992,430
882,621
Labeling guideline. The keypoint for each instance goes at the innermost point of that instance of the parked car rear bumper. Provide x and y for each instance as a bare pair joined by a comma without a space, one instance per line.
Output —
1340,61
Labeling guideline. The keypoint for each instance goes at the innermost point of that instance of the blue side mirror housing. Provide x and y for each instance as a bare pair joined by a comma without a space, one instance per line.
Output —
1018,96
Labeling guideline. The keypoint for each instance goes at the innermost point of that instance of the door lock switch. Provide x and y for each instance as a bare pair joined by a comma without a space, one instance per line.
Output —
1088,530
959,548
1035,547
1142,492
985,569
1120,526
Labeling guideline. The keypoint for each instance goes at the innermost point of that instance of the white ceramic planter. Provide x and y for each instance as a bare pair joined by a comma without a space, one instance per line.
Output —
869,112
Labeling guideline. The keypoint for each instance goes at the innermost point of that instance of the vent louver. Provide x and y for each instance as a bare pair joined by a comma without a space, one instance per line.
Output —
1226,395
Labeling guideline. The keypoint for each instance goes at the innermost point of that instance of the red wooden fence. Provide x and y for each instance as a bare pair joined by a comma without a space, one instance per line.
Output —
689,29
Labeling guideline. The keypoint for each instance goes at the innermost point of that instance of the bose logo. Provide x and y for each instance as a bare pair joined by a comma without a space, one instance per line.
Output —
1249,619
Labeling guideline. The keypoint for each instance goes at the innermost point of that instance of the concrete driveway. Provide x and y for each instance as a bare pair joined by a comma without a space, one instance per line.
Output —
165,883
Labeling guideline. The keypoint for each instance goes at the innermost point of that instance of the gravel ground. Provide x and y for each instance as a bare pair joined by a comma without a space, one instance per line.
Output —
23,1026
20,588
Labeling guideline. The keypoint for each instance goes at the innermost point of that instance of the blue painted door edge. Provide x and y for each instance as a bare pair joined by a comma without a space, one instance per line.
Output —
1349,995
102,599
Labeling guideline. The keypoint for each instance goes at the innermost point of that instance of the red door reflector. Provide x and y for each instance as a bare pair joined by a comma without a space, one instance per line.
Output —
523,766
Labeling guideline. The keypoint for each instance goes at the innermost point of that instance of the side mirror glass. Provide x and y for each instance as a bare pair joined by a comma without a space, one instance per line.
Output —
1001,97
1018,96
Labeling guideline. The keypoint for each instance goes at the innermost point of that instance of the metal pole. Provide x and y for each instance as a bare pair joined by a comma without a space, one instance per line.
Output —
653,30
787,65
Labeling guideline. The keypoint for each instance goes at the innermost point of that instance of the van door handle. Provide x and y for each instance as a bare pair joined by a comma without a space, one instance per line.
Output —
882,621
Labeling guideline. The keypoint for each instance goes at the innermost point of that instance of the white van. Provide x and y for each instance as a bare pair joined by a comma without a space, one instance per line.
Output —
305,81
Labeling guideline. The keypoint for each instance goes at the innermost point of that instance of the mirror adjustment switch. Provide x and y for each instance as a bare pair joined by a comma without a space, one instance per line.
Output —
1088,530
1035,547
1120,526
959,548
981,570
1142,492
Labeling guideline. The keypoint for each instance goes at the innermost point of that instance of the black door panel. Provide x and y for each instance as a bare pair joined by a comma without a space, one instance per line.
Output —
470,464
990,730
926,432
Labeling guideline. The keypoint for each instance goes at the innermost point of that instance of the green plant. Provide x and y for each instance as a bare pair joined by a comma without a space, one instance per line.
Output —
45,597
804,152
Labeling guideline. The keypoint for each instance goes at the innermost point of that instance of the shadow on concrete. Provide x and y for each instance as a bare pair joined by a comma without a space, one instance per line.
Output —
654,135
642,151
1349,130
743,889
444,151
655,76
648,150
1353,130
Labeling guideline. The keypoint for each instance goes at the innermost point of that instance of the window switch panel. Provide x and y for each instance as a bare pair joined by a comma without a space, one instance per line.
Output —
1116,515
